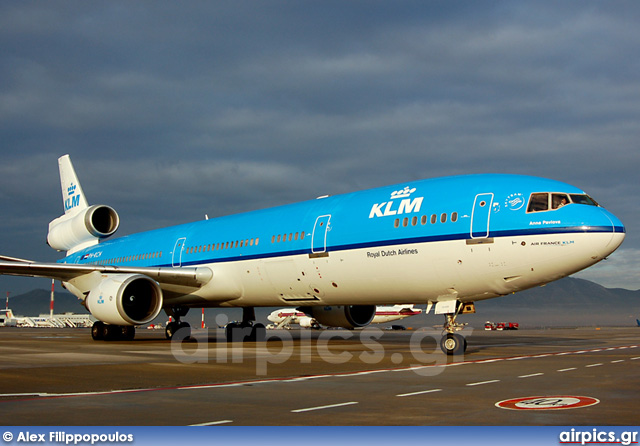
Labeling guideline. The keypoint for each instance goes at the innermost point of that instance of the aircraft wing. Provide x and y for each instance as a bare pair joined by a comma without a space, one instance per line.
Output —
194,277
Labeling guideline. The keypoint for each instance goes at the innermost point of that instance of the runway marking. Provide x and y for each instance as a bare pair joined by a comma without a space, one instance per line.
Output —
422,392
330,406
17,397
619,360
567,370
594,365
213,423
531,375
482,383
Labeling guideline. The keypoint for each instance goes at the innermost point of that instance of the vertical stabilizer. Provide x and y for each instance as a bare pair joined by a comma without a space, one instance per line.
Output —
73,198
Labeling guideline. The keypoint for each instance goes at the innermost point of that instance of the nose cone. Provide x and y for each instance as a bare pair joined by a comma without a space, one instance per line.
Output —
617,235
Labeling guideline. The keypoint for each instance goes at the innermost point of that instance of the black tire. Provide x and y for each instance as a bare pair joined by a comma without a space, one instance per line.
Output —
259,333
97,331
233,332
184,326
453,344
111,332
171,329
128,333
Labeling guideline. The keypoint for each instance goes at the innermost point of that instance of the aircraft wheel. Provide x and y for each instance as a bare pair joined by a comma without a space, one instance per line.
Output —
259,333
111,332
171,329
97,331
234,333
128,333
185,325
453,344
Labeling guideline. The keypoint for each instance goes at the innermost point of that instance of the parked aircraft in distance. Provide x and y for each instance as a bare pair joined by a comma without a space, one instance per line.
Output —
447,242
284,317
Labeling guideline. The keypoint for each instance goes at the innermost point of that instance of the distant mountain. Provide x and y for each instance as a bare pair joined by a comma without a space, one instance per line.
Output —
37,302
566,302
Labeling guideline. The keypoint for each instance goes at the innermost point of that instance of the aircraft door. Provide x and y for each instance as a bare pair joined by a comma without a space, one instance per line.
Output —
319,236
178,249
481,215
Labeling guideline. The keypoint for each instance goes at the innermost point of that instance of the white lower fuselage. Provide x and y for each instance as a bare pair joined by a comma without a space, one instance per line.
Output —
468,271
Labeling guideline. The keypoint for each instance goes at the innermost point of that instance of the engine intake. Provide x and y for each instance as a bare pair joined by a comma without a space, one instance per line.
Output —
345,316
94,223
125,299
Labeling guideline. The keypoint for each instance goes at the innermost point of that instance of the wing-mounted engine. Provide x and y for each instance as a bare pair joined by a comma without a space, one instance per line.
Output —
86,228
125,299
345,316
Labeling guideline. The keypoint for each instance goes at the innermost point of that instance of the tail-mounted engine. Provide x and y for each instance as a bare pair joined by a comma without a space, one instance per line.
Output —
345,316
125,299
83,229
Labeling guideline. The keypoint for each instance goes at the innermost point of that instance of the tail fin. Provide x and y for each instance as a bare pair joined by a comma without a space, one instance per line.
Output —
80,226
638,322
73,198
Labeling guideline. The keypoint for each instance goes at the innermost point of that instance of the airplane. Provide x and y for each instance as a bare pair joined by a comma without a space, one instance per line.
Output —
285,316
447,242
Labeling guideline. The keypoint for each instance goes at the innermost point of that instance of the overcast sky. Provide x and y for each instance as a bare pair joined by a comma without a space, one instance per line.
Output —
171,110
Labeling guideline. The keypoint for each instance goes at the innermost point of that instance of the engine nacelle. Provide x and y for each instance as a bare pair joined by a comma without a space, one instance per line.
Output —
91,224
125,299
345,316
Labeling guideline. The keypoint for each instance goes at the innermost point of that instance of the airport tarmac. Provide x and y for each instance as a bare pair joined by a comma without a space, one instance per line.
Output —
333,377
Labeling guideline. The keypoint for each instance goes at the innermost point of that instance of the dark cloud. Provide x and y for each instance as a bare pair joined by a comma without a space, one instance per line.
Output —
173,110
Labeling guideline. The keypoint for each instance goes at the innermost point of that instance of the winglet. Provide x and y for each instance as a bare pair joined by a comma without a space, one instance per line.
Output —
73,198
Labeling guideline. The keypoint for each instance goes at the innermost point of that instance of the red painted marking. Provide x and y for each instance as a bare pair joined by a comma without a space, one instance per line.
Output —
552,402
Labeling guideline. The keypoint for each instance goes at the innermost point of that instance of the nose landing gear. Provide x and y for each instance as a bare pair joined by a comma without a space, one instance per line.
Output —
452,343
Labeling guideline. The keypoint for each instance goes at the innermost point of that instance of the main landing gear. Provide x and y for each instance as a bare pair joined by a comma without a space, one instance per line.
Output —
177,313
247,330
106,332
452,343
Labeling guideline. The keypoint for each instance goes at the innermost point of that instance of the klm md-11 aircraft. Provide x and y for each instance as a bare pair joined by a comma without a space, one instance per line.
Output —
446,242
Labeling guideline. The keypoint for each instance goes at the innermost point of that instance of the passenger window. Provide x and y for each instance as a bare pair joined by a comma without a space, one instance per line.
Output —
414,221
396,223
424,220
559,200
443,218
538,202
405,222
434,219
454,217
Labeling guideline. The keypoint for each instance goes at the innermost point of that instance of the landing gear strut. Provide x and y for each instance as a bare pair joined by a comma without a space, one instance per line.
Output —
177,313
247,330
453,343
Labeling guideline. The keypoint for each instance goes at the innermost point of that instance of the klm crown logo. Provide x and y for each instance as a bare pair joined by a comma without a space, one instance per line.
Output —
404,193
71,189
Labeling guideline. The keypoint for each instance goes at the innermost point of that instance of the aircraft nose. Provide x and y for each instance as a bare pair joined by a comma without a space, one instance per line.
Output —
618,232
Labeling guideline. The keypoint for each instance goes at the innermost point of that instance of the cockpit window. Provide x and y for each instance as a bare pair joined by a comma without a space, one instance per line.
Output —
559,200
583,199
538,202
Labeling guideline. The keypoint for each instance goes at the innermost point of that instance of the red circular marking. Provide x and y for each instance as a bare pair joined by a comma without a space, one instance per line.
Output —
547,402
